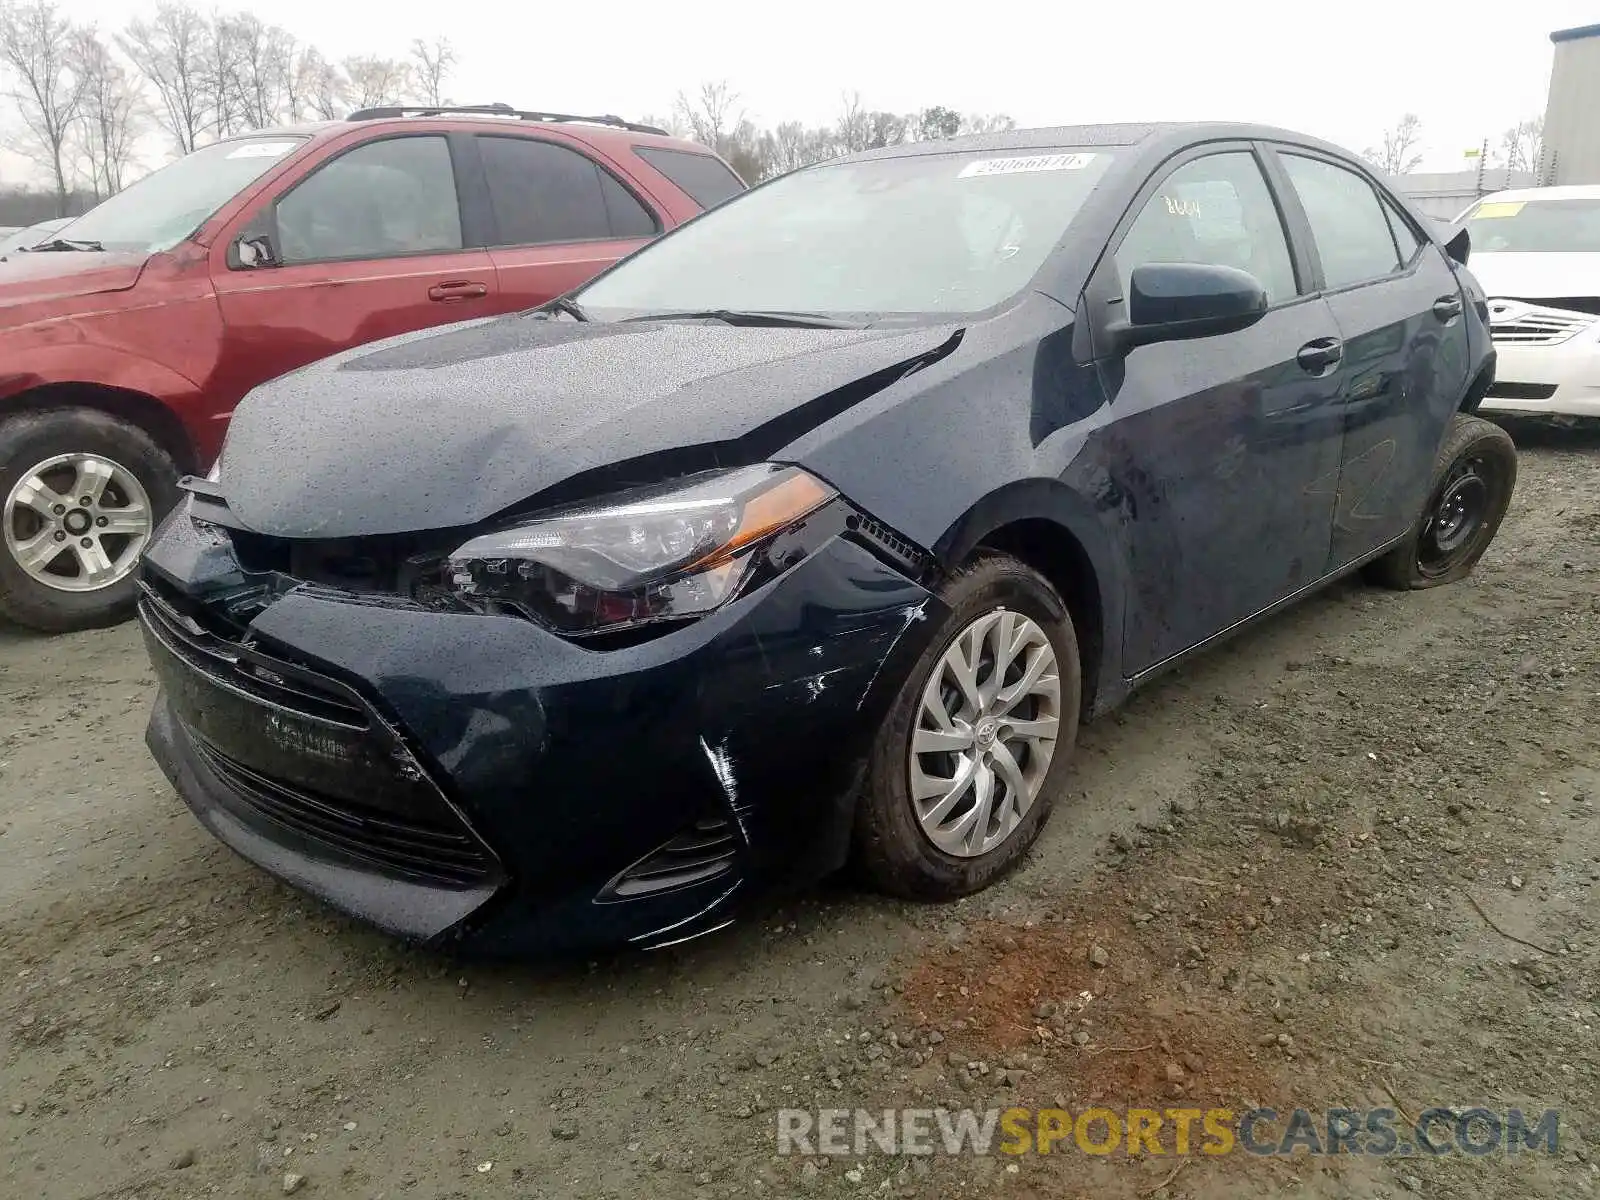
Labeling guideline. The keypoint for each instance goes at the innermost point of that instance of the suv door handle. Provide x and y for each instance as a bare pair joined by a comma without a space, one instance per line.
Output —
460,289
1447,308
1317,357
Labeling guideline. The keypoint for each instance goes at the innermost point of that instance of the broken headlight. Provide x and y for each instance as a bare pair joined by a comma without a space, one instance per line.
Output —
679,550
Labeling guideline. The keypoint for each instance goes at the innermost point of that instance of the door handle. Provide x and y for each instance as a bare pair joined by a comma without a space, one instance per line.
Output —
1321,355
460,289
1447,308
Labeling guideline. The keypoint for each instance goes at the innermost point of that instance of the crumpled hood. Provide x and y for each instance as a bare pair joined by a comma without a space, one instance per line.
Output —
444,428
42,275
1536,276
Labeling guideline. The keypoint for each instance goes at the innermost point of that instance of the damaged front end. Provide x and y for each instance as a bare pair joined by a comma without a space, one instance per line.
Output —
624,781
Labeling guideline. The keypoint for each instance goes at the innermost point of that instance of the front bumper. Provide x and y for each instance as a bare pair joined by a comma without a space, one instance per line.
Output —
1559,380
491,786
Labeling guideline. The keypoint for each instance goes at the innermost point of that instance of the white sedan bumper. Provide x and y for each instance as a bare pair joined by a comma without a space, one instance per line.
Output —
1549,361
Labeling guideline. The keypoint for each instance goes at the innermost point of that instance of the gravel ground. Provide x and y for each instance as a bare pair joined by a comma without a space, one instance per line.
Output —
1314,864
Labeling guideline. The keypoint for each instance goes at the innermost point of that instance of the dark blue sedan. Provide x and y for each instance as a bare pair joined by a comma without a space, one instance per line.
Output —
811,530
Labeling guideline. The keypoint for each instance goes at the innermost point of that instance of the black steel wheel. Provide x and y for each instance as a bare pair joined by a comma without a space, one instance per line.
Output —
1474,477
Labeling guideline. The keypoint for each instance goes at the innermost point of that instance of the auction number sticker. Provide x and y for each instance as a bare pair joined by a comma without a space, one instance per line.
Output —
1498,208
1017,166
262,150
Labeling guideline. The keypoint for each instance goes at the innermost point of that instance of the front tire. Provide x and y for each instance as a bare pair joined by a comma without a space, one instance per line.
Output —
1473,478
80,495
963,774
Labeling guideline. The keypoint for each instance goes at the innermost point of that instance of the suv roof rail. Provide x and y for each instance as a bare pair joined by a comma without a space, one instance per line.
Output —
494,110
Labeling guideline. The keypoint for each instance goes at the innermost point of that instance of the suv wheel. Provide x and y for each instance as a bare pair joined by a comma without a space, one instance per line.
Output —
82,493
961,780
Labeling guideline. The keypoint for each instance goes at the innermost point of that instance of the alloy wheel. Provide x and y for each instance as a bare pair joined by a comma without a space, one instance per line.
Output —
985,733
77,522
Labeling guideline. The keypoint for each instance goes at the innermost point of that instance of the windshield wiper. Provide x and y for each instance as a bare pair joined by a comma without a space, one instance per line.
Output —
66,244
733,316
566,304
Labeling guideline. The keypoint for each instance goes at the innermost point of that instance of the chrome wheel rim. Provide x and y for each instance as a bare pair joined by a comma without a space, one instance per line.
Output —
77,522
985,733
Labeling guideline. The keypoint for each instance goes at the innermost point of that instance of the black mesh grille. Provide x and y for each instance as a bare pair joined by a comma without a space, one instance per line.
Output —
409,848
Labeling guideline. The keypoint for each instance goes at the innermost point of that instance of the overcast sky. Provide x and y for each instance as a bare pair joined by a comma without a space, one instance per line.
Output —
1344,71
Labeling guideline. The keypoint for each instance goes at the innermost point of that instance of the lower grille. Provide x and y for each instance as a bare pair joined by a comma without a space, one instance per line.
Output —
1522,391
702,852
408,848
257,675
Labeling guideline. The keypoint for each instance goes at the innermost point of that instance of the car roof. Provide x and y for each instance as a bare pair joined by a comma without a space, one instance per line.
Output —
587,129
1571,191
1166,134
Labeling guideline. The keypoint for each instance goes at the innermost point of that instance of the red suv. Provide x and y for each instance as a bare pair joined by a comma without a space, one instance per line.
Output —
127,339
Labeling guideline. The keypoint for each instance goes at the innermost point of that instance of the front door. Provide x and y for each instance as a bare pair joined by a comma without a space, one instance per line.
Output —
1219,439
1399,309
368,245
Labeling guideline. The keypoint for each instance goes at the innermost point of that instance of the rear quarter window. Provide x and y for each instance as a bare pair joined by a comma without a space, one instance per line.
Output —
706,180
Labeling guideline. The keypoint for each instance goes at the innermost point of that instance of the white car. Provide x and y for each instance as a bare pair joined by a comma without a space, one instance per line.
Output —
1536,252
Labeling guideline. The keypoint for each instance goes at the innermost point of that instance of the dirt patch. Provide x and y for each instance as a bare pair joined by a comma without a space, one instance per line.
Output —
1086,1032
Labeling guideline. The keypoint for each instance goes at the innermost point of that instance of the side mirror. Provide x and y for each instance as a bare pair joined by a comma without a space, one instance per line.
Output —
1172,301
1458,243
252,250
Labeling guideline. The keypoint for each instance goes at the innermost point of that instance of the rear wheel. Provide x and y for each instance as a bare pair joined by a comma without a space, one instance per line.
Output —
961,780
82,493
1473,479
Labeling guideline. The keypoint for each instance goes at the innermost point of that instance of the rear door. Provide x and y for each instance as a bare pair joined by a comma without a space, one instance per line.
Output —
1399,309
370,243
557,216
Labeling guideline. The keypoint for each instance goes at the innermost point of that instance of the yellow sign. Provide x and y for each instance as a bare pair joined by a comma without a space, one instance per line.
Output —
1500,208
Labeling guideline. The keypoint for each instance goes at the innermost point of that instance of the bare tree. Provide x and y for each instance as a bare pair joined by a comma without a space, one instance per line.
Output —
712,115
672,123
36,43
318,87
791,146
854,123
262,71
219,75
432,63
375,82
1399,154
111,116
1523,144
169,51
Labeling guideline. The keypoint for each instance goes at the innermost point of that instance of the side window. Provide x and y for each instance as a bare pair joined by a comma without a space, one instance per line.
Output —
1218,210
1354,239
1404,236
385,198
704,179
541,192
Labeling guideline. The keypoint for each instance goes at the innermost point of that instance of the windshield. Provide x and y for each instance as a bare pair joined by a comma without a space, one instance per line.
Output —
921,235
167,206
1535,226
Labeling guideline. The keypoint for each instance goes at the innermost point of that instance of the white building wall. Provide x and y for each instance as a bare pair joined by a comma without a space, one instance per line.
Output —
1572,114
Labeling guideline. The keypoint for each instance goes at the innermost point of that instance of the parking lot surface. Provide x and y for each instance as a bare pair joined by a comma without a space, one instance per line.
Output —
1309,869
